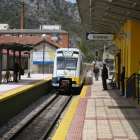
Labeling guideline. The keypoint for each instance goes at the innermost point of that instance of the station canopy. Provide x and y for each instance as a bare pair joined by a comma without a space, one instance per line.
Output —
16,46
107,16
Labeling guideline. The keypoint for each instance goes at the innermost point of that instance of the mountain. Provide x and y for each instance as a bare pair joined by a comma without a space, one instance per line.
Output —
43,12
46,12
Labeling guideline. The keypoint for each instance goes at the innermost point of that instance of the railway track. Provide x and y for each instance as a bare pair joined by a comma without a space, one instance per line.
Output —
41,124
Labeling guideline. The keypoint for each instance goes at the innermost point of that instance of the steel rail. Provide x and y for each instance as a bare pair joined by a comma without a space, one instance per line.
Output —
32,118
56,118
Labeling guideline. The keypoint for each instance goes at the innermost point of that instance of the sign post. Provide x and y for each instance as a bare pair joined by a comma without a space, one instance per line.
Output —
91,36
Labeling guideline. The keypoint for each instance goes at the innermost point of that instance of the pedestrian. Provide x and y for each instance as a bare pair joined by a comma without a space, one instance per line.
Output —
104,76
16,70
122,79
96,71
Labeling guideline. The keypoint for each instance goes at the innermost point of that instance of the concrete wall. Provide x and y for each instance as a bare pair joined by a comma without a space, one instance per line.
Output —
39,68
14,105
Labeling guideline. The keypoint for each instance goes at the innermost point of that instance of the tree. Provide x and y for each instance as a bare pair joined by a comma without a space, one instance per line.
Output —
90,57
83,47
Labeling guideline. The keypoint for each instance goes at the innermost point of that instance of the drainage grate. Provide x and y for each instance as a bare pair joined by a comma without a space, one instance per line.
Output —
122,107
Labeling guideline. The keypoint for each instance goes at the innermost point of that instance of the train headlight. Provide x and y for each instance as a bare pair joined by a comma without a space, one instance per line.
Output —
69,52
66,52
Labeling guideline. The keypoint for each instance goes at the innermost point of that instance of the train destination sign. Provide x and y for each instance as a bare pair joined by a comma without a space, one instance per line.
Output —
91,36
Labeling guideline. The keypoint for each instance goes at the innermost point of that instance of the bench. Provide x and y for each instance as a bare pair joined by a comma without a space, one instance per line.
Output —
113,82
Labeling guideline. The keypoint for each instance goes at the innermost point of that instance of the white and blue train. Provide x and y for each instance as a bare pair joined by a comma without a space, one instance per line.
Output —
69,69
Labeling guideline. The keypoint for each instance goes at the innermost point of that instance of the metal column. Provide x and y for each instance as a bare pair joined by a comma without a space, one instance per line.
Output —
13,65
28,65
7,59
0,64
43,53
20,62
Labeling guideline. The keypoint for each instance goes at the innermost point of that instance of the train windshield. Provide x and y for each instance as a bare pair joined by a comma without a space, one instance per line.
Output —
71,63
66,63
60,63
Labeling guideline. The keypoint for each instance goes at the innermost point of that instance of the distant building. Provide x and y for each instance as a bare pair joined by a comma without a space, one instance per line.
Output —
51,27
108,59
55,37
4,26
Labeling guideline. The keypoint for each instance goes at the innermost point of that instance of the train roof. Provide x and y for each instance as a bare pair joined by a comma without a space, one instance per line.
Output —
71,49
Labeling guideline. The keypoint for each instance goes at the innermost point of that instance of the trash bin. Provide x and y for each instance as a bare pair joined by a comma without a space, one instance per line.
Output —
22,71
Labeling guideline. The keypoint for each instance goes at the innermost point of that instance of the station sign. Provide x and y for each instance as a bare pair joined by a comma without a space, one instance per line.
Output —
107,37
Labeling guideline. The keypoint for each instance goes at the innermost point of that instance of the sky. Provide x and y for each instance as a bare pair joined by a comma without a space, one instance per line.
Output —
72,1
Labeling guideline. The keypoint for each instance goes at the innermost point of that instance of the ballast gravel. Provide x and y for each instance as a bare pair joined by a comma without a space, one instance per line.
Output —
16,122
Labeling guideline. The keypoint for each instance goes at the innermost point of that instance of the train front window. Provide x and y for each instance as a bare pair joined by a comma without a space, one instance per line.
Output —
71,63
60,63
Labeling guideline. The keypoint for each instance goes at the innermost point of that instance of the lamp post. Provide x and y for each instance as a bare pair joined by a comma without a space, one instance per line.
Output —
43,36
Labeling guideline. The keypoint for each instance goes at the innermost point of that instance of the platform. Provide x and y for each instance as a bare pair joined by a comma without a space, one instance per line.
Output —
100,115
14,97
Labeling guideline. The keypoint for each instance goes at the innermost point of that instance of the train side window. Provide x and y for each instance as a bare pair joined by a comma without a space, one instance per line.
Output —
60,63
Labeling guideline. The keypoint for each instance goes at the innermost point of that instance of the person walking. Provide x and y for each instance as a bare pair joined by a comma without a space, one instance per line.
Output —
122,79
104,76
16,70
96,71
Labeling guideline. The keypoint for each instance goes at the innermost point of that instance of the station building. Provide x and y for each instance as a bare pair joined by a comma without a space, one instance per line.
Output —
55,38
120,18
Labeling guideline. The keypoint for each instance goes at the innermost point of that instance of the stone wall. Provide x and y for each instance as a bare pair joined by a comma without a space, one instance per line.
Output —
39,68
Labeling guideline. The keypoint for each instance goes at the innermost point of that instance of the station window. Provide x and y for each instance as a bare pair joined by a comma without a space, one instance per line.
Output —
7,35
26,35
32,35
48,35
60,42
20,35
38,35
54,35
14,35
1,35
54,41
60,36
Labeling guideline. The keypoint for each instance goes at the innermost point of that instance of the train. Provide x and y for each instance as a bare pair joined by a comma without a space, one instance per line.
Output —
69,71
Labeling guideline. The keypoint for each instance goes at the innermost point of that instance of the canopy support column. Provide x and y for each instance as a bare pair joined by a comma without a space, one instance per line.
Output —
0,64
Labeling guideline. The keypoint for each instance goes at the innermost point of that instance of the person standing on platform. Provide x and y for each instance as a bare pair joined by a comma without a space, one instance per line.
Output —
16,70
122,79
104,76
96,71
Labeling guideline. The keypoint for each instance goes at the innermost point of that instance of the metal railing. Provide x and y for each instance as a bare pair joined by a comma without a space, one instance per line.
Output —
132,86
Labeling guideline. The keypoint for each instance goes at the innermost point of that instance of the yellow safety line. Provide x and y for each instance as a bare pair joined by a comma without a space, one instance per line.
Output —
84,89
22,89
63,128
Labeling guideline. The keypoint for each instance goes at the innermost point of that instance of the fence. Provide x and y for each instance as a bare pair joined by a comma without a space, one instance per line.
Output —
132,86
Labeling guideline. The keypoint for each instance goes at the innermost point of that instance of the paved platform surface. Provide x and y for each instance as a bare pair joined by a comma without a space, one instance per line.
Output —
12,86
100,115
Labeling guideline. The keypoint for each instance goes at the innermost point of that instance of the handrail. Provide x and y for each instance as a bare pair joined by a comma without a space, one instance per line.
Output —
130,77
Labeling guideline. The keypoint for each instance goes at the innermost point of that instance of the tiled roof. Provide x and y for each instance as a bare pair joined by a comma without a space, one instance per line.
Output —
41,31
25,40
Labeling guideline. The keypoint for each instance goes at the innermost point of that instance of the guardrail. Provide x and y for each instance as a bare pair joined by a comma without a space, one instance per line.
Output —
132,86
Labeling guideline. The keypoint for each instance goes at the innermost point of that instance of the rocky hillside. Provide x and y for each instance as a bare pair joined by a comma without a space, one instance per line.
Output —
48,12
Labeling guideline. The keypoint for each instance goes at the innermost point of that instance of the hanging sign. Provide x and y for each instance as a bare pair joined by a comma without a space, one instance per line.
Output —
91,36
